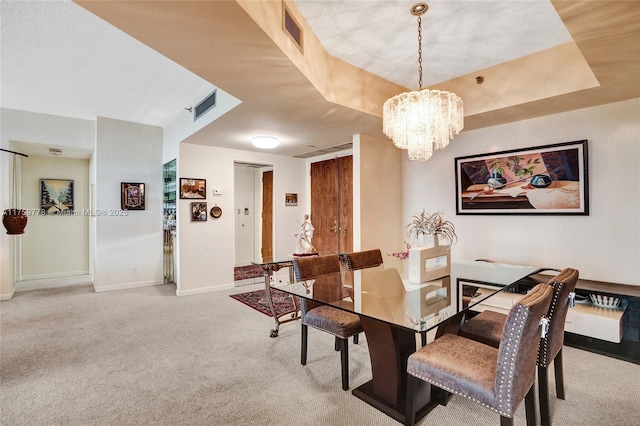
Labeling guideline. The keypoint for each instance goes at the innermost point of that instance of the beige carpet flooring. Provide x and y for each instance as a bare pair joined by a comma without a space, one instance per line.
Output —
70,356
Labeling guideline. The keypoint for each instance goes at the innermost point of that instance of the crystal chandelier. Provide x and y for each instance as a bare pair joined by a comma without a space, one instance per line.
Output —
422,120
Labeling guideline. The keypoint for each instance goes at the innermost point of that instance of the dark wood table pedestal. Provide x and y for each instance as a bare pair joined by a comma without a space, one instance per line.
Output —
389,349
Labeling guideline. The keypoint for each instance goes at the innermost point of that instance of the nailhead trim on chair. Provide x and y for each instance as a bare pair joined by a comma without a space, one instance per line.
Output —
344,258
543,350
504,396
441,386
297,272
329,332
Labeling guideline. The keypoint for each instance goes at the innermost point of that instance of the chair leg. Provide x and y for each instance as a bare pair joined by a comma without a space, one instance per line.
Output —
557,367
410,409
530,406
336,344
506,421
355,338
344,361
543,395
303,347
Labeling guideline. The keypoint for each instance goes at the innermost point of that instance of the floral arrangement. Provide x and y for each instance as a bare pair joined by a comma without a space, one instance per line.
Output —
423,224
402,255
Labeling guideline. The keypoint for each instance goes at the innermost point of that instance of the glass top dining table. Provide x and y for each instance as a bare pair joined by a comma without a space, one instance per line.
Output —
384,294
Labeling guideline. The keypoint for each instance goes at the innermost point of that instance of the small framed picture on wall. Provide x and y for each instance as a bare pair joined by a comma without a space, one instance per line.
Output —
56,196
290,199
193,189
132,196
198,212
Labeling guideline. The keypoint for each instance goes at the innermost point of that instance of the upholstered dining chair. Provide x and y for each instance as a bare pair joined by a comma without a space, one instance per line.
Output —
487,327
498,378
337,322
355,261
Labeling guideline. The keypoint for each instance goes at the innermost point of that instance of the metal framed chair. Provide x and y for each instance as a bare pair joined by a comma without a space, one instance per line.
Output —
487,327
497,378
341,324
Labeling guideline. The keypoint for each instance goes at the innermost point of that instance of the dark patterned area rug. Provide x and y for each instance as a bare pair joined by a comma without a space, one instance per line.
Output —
244,272
257,299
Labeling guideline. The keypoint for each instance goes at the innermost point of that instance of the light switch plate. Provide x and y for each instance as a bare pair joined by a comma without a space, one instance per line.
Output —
217,191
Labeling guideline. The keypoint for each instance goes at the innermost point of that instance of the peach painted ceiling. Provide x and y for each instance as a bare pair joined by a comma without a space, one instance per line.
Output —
146,61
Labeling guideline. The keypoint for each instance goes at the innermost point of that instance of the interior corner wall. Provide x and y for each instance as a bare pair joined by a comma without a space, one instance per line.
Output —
56,245
604,246
378,179
206,249
128,250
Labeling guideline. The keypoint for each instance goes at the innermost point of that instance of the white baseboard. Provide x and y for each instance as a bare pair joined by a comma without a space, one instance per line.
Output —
7,296
57,275
204,290
125,286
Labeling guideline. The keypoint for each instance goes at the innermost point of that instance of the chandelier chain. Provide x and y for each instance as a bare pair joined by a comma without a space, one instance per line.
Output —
422,121
420,52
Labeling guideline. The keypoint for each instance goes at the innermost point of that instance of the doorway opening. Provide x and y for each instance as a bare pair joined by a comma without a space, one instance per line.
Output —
253,219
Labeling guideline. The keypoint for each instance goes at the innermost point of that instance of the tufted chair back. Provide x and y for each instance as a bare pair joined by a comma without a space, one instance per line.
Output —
516,367
315,267
355,261
307,268
563,284
362,259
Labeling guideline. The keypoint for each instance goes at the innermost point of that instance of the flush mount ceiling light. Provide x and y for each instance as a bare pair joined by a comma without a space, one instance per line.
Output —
422,120
265,142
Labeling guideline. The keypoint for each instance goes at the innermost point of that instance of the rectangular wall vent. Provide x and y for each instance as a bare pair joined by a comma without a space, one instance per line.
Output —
204,106
291,27
329,150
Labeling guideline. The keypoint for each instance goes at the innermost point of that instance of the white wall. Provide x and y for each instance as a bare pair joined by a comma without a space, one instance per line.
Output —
603,246
39,130
55,245
128,243
206,249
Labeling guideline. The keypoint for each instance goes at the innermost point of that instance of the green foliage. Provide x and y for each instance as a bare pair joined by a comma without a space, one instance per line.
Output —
513,163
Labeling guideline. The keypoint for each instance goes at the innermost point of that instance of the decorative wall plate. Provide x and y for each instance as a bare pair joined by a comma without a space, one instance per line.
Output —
215,212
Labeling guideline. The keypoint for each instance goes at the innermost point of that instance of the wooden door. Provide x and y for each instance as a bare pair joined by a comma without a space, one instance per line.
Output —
267,216
331,205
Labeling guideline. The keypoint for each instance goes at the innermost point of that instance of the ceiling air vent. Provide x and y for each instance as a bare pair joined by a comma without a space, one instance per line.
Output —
291,27
204,106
